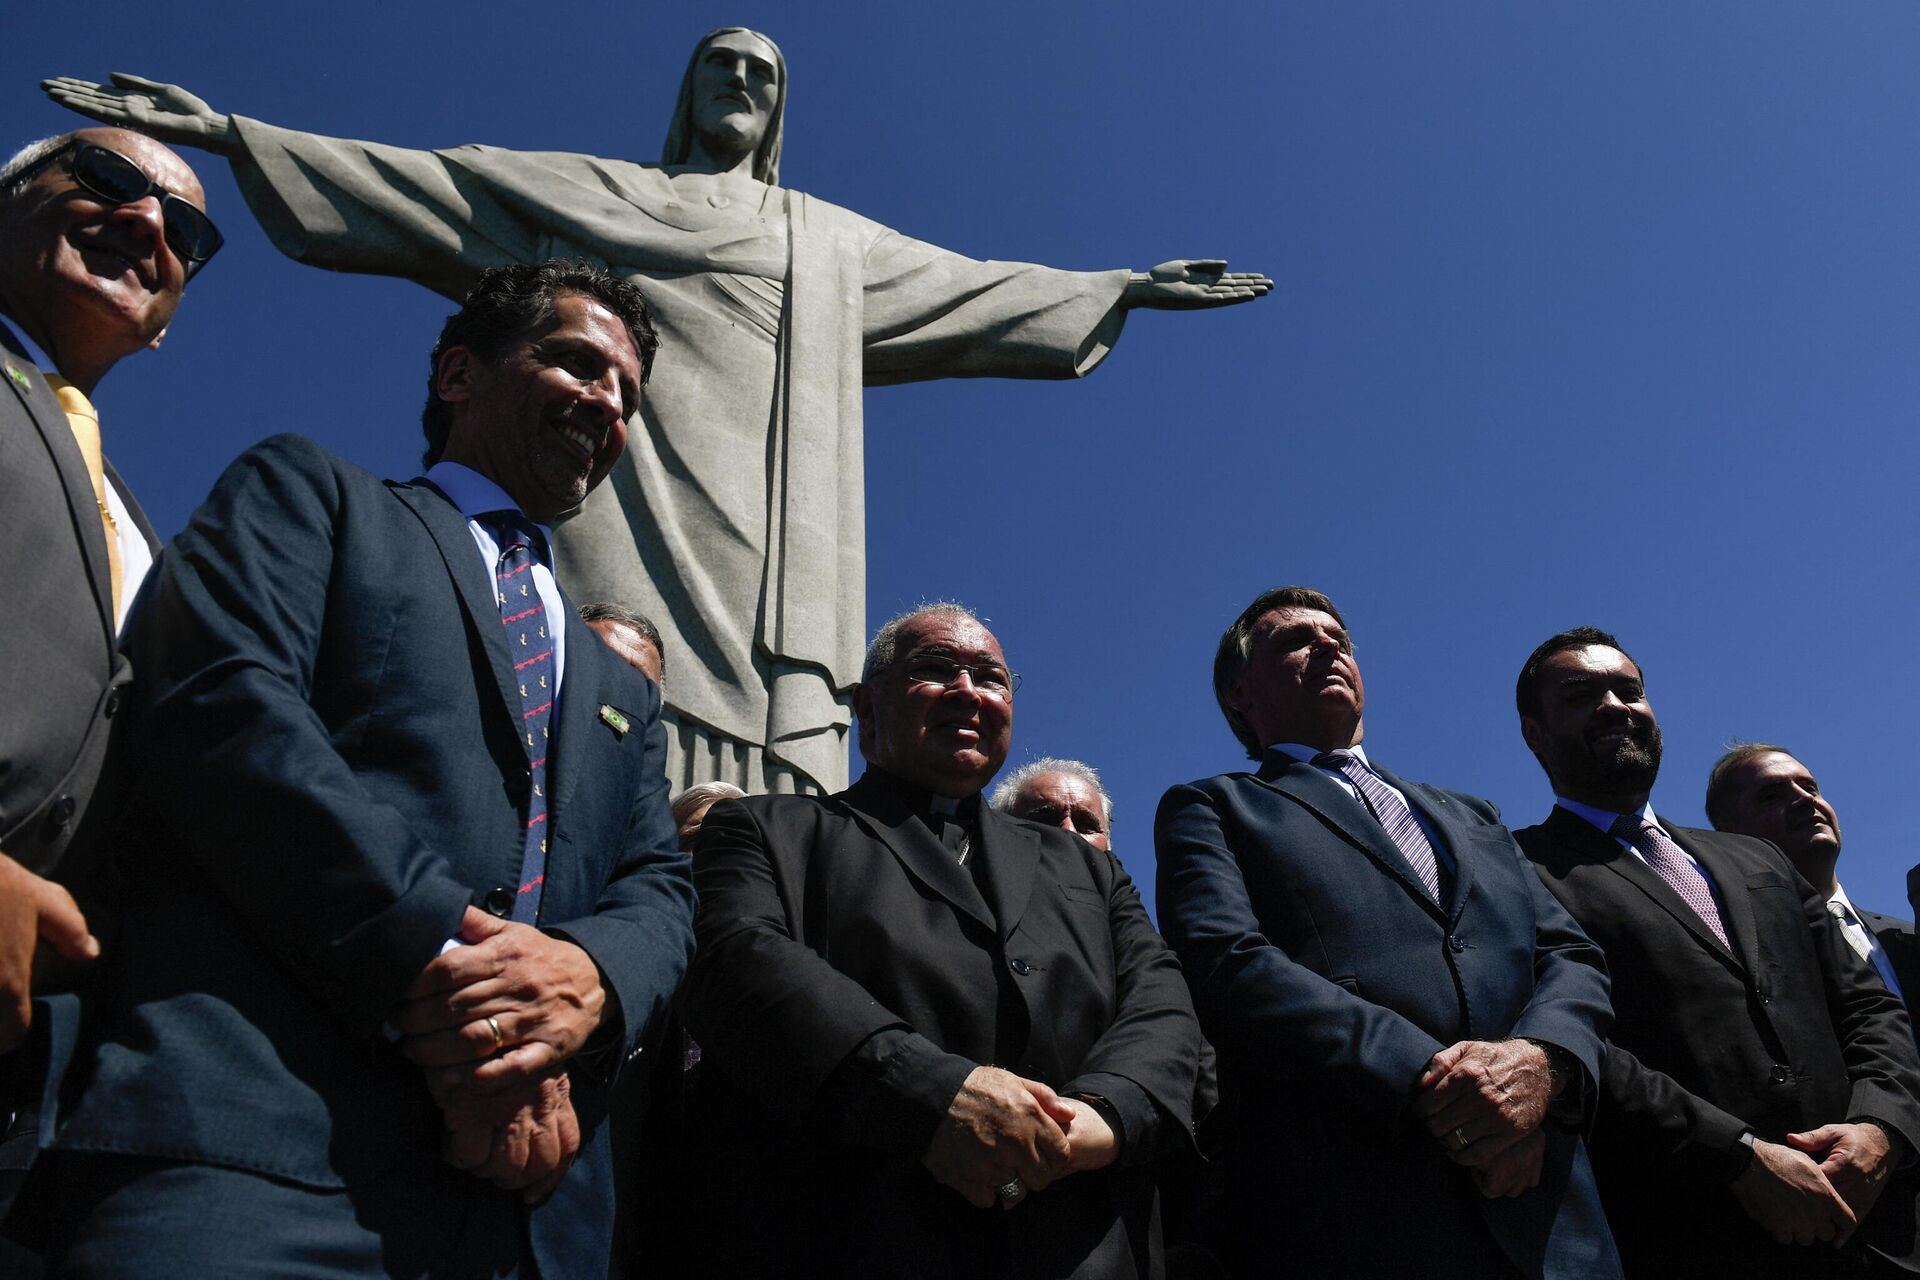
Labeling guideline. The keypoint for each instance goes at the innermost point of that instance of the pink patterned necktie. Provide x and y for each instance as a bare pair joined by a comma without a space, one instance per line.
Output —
1670,862
1391,812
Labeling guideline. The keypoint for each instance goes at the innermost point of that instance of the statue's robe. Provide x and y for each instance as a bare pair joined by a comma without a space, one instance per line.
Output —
736,518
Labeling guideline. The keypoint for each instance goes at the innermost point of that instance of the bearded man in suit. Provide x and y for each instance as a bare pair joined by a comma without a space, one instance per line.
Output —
1760,1080
937,1040
411,894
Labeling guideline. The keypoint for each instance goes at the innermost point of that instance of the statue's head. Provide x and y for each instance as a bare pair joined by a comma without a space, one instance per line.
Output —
733,100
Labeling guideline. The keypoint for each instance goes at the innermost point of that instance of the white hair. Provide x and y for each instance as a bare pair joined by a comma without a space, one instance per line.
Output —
702,793
1008,791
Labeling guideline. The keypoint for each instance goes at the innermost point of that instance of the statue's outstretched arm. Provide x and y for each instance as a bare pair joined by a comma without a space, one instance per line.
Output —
163,111
1188,284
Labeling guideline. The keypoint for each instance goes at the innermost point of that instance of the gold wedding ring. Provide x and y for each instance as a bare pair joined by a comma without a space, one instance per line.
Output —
500,1038
1460,1141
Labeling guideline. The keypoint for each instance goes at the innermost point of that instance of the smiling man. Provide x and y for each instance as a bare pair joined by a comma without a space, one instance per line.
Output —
1760,1080
1408,1026
362,1015
937,1041
99,232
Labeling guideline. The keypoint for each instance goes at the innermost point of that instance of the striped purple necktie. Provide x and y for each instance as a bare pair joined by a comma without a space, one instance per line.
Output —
1391,812
531,648
1671,863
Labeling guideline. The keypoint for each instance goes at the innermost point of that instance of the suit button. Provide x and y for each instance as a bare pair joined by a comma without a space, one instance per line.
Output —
113,704
61,813
1456,945
1779,1074
499,901
1020,966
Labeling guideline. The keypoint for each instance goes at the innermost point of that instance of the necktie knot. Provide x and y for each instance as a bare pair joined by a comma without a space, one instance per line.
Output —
511,529
1630,827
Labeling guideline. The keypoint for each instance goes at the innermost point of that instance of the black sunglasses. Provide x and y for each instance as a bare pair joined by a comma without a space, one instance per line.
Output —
117,180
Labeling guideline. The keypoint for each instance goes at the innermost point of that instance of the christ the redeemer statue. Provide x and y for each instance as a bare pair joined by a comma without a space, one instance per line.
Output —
736,517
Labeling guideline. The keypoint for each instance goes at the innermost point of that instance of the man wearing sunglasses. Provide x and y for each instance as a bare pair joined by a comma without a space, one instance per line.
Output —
99,232
937,1041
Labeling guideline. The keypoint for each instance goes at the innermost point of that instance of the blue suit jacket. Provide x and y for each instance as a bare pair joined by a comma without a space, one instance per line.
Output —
1326,978
326,739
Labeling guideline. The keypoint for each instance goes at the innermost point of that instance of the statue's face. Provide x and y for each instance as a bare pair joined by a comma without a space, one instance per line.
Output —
735,91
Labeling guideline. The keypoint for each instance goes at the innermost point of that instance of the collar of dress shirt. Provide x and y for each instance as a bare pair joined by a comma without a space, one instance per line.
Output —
1305,754
1604,819
474,493
32,348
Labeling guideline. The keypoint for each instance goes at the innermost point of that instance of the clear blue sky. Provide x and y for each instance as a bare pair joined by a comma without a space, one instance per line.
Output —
1585,313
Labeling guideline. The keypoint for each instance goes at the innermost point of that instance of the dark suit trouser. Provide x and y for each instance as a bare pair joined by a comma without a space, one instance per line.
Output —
132,1217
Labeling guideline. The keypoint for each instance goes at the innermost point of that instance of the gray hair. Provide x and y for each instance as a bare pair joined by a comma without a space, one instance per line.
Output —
607,611
886,641
702,793
1008,791
25,158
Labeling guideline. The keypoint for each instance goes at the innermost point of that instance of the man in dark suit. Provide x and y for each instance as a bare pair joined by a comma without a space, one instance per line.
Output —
1759,789
1759,1083
410,846
1408,1026
937,1041
99,231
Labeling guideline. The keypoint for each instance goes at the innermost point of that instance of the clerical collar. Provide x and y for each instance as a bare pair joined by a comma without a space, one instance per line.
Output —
912,798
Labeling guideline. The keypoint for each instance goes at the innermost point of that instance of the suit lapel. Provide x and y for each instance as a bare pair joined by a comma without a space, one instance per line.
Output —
579,706
1603,849
1328,801
1736,907
471,578
1460,842
24,380
907,838
1012,854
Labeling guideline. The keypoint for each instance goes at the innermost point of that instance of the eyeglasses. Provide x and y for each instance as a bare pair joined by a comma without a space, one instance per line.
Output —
989,679
117,180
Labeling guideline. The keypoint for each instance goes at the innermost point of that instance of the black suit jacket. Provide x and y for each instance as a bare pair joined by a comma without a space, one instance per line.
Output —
827,922
1788,1030
326,743
1326,978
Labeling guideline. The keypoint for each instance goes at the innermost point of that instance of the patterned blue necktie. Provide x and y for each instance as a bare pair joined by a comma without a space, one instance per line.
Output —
531,648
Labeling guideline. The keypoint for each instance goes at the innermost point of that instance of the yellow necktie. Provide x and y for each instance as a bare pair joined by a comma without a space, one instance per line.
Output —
85,422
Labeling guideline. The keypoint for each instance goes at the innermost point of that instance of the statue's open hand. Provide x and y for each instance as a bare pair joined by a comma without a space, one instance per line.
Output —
163,111
1188,284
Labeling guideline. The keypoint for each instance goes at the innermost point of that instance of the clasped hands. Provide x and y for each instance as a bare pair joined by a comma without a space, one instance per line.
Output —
492,1024
1818,1185
1004,1131
1484,1102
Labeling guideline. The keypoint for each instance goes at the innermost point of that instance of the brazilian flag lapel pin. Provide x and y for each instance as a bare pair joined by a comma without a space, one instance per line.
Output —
615,720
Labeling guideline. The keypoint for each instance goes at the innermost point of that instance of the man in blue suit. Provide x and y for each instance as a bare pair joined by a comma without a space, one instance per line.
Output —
1408,1026
412,891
